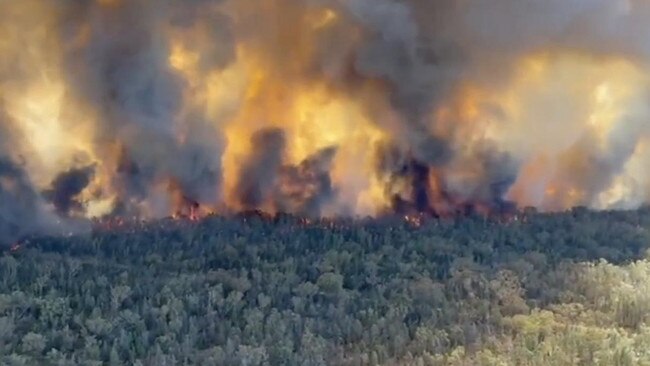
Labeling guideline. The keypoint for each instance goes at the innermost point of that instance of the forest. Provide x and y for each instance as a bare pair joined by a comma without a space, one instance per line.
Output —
570,288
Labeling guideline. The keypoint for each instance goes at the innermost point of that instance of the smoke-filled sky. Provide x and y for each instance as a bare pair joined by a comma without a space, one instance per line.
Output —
320,107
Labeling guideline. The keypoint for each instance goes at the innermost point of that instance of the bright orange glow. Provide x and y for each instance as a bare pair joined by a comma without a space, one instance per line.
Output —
164,104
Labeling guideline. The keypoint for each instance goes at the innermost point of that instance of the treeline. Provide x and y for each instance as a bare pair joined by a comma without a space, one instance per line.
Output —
536,289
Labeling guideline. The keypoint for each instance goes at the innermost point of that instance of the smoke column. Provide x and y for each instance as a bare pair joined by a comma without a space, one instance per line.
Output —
320,107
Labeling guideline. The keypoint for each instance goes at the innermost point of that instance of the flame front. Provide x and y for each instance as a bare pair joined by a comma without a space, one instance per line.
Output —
320,108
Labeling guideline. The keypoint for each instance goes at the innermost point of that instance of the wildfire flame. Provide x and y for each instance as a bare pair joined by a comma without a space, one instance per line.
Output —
151,109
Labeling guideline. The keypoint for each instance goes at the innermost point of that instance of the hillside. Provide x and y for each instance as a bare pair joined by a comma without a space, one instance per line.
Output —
563,289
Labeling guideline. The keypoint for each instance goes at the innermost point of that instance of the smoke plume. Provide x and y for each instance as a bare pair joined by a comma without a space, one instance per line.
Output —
259,174
320,107
65,189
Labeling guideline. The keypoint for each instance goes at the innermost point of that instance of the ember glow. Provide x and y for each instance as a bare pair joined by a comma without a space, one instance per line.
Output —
320,108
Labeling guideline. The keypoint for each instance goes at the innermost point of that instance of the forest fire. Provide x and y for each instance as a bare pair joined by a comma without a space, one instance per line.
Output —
190,210
321,109
414,220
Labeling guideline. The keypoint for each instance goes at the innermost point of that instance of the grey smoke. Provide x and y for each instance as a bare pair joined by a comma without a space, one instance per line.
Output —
20,206
125,72
304,188
259,174
66,187
420,51
307,188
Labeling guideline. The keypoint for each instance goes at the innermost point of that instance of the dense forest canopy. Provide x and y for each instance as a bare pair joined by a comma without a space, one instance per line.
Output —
439,119
536,289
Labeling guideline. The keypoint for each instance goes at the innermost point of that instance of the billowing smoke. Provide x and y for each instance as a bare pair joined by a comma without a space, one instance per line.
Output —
265,182
66,188
20,206
307,188
123,71
258,176
321,107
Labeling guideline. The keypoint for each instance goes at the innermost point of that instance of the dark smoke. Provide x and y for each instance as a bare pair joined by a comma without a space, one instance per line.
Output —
303,189
408,180
399,61
132,178
22,210
124,71
306,188
259,173
494,174
20,205
197,165
420,67
416,185
66,187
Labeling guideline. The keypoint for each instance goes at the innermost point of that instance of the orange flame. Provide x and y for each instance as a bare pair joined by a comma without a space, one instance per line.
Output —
297,73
